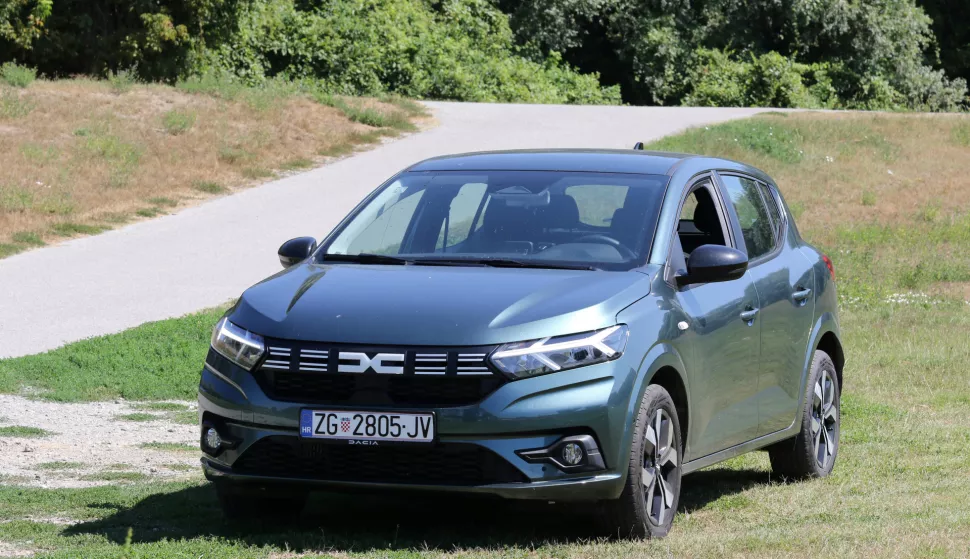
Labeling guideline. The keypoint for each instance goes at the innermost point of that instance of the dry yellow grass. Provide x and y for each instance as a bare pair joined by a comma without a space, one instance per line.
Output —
851,168
883,168
77,156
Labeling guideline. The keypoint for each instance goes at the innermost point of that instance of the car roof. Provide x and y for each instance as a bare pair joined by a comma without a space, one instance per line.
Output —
581,160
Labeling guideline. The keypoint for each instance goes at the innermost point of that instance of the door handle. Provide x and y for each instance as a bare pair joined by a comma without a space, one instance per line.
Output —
749,315
801,295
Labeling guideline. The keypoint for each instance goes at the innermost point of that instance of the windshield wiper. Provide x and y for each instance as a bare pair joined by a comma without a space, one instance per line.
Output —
499,263
366,258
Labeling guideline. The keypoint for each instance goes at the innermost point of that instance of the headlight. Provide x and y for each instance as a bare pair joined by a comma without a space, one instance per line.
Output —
538,357
239,345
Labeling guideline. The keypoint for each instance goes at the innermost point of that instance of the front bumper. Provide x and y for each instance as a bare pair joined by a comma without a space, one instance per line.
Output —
521,415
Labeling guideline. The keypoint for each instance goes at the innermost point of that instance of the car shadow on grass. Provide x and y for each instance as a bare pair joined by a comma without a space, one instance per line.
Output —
358,523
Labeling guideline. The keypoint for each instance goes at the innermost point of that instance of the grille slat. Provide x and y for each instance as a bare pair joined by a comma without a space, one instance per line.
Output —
440,464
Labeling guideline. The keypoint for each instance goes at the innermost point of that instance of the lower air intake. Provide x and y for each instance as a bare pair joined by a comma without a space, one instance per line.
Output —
439,464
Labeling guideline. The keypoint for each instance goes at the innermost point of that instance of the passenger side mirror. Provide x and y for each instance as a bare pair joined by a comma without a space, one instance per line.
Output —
711,263
296,250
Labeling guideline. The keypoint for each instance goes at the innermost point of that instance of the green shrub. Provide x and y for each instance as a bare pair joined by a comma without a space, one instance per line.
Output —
121,82
16,75
855,54
178,122
455,49
770,80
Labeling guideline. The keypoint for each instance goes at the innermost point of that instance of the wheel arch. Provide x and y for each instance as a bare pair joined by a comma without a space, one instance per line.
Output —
672,381
830,344
825,336
663,366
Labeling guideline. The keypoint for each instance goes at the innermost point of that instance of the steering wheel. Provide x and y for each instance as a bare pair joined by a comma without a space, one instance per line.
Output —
605,240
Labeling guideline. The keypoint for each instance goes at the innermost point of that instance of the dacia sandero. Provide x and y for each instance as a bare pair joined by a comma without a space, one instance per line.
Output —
563,325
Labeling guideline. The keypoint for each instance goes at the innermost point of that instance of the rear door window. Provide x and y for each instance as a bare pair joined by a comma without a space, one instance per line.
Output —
756,226
773,211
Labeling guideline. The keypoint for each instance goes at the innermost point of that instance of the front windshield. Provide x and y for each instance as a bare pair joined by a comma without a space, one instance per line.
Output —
541,218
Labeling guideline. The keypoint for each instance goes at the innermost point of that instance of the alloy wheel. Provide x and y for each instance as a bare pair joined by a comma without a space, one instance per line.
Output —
825,420
659,465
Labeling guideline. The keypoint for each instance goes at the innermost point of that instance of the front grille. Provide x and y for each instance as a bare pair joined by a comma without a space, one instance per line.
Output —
330,374
437,464
319,388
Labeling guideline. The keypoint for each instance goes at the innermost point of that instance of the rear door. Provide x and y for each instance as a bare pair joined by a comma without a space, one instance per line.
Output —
785,284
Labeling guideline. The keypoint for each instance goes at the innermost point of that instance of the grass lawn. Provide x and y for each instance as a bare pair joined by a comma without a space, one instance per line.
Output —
81,156
901,246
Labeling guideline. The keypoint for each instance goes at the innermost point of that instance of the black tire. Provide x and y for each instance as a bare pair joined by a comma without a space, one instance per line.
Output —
263,503
800,457
635,513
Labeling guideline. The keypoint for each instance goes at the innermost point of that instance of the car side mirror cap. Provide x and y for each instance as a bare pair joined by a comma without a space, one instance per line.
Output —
713,263
296,250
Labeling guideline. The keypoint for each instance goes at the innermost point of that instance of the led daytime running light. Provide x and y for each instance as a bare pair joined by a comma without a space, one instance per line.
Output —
538,349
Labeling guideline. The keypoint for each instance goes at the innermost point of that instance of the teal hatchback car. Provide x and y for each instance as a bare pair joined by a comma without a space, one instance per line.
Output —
570,325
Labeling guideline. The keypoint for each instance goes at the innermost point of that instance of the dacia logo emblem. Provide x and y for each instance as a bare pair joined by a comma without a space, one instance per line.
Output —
356,362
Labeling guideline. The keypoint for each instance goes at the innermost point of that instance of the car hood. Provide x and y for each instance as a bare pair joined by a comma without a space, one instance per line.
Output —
433,305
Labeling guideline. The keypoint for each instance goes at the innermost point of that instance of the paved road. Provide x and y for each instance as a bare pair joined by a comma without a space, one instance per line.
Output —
205,255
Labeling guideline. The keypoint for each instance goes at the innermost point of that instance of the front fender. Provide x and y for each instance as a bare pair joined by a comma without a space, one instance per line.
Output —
660,356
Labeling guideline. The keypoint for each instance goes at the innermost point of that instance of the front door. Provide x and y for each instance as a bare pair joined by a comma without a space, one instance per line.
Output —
721,341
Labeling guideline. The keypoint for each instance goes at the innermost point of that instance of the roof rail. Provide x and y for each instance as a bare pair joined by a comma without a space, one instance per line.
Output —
638,146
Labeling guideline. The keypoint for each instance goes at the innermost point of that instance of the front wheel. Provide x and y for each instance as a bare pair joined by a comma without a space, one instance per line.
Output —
813,452
647,506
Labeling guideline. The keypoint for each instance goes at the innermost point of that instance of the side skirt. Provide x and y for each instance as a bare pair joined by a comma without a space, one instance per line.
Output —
728,453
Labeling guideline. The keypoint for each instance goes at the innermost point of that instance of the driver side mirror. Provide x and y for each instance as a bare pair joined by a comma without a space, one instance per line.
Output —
712,263
296,250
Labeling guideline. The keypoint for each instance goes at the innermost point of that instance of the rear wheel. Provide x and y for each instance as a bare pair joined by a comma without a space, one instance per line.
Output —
647,506
813,452
249,502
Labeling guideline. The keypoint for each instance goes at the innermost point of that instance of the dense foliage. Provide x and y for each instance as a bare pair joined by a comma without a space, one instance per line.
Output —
452,49
21,21
447,49
822,53
874,54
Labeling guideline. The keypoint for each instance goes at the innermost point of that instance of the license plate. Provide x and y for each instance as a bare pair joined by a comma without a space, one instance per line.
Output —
367,425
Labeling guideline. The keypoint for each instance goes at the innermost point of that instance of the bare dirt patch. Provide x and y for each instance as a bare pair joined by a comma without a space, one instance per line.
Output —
8,549
95,448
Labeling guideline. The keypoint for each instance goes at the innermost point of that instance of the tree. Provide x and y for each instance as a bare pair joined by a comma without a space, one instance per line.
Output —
855,53
21,21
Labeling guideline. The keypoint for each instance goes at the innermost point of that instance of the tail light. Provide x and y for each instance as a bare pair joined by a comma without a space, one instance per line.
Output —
828,264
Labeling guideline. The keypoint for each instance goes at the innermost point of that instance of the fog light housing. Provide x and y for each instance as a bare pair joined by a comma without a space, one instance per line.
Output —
575,453
572,454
